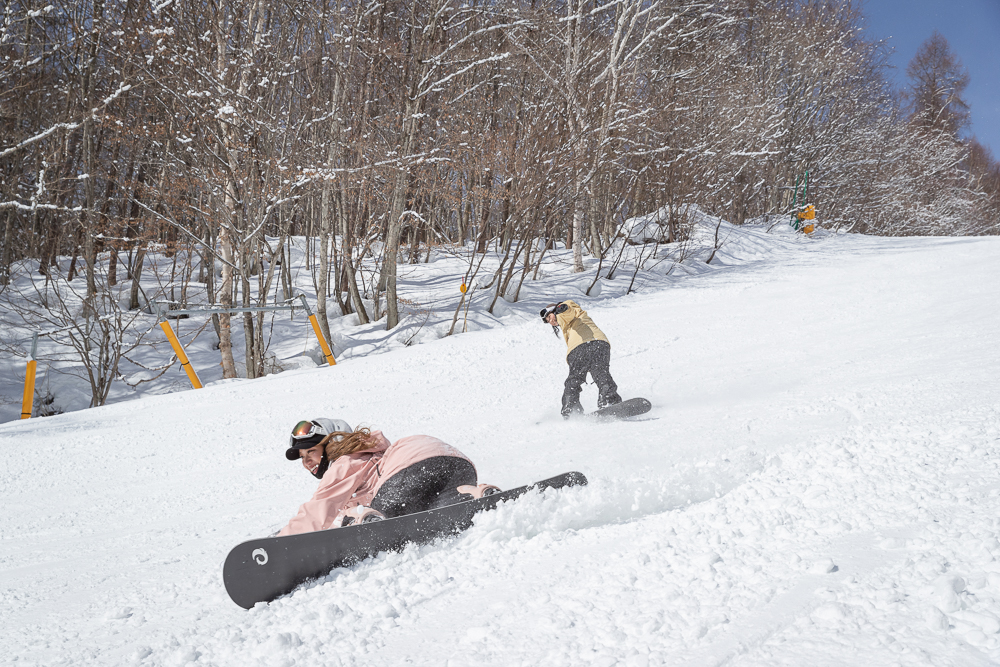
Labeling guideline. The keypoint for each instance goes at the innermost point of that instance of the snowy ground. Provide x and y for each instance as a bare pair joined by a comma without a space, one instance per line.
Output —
818,483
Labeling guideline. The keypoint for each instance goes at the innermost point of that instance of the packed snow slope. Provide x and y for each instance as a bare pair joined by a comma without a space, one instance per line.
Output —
818,483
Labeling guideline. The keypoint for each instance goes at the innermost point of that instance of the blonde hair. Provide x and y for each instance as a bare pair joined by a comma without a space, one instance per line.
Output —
339,443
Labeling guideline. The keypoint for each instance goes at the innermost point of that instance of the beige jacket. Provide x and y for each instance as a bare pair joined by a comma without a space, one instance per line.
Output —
577,327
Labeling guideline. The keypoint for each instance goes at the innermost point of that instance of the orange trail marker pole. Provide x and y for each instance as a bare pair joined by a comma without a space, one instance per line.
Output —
327,352
27,402
179,349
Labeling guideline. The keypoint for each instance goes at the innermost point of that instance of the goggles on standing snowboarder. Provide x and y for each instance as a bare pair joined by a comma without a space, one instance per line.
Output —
556,308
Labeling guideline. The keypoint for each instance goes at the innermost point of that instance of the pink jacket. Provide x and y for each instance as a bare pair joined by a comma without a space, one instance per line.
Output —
354,479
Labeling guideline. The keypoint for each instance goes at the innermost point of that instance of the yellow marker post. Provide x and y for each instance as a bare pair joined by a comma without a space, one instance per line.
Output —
29,390
27,403
185,364
327,352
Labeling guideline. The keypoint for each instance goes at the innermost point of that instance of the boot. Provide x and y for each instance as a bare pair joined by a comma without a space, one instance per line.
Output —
611,399
572,409
357,514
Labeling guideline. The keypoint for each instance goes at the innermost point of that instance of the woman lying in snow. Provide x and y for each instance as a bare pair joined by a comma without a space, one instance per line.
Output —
364,478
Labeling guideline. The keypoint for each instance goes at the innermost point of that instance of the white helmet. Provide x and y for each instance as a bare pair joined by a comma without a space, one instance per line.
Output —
308,434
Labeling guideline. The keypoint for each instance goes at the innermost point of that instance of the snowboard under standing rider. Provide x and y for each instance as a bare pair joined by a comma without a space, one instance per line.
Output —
589,352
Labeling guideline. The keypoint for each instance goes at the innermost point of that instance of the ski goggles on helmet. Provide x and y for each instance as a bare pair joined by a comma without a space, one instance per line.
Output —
305,435
306,429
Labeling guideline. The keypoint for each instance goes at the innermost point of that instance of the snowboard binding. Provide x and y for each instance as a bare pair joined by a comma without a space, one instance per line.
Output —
479,490
358,514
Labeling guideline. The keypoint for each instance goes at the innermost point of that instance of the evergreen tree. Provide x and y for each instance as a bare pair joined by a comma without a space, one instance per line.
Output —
938,80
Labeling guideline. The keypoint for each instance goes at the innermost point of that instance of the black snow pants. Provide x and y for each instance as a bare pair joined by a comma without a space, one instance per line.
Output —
593,357
425,485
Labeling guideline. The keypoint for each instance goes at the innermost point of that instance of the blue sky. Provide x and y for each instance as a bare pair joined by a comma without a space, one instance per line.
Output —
972,28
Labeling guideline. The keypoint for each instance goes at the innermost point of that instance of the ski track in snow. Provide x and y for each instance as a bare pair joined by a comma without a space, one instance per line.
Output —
818,483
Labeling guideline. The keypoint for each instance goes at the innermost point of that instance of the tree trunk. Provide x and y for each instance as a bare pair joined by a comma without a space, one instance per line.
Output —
392,251
6,260
578,216
233,206
226,293
325,229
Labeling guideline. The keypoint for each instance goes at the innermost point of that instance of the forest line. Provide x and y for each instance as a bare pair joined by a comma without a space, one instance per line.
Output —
380,127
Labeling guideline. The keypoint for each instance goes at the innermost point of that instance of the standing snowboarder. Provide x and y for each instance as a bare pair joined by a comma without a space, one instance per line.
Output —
589,351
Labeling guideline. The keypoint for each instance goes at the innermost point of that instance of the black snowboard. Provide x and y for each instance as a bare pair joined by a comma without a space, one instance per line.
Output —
260,570
629,408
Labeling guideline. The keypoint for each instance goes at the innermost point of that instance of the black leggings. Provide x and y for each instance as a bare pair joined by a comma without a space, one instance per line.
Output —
425,485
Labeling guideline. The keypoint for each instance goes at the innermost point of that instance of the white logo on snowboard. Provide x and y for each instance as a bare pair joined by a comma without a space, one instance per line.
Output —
259,556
